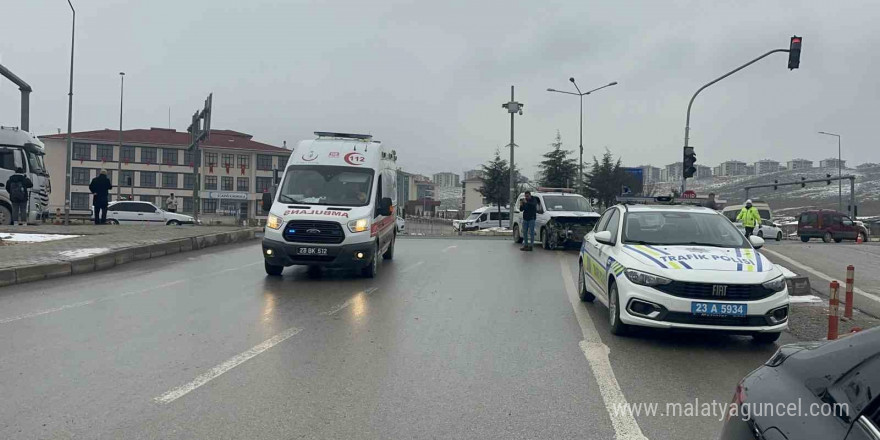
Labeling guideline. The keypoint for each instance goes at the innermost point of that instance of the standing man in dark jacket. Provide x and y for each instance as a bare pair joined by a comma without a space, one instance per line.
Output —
529,208
100,187
17,186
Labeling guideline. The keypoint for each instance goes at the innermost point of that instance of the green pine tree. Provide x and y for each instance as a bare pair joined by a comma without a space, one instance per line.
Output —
557,169
496,183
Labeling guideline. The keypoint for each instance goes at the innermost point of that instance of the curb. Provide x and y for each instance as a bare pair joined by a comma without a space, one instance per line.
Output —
25,274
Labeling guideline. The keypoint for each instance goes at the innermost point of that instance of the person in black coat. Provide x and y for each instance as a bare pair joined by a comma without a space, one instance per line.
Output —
100,187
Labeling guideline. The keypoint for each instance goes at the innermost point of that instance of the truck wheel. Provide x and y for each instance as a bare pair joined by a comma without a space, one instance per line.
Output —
517,238
389,253
827,237
372,269
805,239
5,215
273,270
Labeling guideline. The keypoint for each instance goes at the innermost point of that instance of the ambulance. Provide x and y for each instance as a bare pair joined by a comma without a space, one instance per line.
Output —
334,206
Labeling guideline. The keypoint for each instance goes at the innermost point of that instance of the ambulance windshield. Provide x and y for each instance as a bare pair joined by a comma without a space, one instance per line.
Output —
327,185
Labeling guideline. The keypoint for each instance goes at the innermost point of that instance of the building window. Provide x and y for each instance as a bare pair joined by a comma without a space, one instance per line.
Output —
227,160
209,206
169,180
264,184
148,179
187,204
244,161
189,181
211,182
188,158
226,183
79,201
169,156
126,178
151,199
82,152
242,184
79,176
264,162
105,153
211,159
126,154
148,155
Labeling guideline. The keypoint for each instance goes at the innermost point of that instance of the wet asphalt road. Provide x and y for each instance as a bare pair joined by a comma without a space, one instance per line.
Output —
454,339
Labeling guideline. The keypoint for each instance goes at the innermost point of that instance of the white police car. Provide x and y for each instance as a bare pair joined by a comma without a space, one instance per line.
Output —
678,266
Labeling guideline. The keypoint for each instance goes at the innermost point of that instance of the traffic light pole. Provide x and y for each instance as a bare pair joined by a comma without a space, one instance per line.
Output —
687,126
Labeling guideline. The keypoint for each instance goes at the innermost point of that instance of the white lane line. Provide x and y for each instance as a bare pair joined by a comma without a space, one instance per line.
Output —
112,297
229,364
449,248
405,269
815,272
350,301
625,425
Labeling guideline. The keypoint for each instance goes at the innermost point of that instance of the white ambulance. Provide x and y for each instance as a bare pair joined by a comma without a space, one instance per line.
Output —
334,206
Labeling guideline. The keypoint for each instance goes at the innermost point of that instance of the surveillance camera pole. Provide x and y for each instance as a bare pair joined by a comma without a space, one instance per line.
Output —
512,107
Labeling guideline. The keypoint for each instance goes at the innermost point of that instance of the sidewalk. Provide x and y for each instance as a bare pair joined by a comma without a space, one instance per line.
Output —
101,247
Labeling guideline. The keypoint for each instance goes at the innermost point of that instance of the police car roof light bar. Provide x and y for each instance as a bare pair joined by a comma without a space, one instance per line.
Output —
659,200
559,190
331,134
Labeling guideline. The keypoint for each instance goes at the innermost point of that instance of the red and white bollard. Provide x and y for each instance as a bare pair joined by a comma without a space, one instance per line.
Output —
850,276
832,311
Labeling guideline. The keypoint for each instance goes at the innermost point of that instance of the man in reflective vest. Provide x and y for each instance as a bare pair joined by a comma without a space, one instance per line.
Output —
749,217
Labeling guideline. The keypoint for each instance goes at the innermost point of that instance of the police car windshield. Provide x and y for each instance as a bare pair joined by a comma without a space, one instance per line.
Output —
681,228
566,203
327,185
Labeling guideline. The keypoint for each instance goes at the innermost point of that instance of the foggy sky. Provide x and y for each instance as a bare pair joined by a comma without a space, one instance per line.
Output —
429,77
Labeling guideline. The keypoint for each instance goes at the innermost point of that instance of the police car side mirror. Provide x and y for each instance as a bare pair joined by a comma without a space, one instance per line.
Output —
757,242
267,202
604,237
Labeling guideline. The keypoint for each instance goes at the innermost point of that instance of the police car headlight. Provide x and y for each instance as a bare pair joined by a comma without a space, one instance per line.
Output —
359,225
776,284
274,222
645,279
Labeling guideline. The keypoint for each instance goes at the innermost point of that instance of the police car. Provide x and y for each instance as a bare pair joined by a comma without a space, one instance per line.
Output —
664,265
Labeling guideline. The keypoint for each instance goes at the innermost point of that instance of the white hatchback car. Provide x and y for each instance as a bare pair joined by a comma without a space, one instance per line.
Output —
686,267
136,213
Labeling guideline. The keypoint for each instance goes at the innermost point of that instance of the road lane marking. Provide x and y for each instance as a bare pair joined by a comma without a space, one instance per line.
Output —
449,248
405,269
229,364
112,297
625,425
815,272
349,302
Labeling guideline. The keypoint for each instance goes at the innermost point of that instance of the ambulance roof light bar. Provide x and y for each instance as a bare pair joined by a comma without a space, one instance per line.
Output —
331,134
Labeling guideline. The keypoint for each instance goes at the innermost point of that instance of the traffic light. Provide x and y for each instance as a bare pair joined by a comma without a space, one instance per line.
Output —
688,168
803,185
794,53
828,176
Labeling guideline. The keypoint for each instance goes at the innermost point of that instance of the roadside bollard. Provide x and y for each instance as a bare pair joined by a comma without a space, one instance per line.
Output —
850,275
832,311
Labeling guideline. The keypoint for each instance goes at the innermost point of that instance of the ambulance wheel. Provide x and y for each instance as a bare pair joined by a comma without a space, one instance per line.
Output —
372,269
583,294
389,253
273,270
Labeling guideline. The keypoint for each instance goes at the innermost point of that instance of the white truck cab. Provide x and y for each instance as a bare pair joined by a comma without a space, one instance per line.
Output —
334,206
21,149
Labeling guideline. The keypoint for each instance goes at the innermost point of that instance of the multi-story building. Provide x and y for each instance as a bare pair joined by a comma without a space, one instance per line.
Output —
154,163
447,179
673,172
766,166
470,193
831,162
471,174
650,173
799,164
750,170
703,172
732,168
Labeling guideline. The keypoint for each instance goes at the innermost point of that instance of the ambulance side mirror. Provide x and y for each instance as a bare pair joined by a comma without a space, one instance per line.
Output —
384,206
267,202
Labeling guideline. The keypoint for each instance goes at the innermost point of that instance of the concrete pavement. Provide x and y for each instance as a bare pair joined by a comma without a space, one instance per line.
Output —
454,339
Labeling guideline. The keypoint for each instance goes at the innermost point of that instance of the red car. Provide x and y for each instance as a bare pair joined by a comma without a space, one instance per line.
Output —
829,225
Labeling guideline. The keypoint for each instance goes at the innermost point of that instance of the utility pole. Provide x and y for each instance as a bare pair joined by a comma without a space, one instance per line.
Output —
512,107
200,129
69,121
119,158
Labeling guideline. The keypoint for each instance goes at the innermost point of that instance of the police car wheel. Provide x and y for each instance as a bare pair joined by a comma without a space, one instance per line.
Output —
113,221
544,239
583,293
517,238
766,338
5,216
272,269
617,328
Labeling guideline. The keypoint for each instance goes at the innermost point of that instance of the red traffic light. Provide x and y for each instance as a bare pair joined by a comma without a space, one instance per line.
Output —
794,53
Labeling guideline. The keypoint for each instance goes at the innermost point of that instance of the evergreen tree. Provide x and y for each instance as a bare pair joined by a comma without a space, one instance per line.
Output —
558,170
605,179
496,183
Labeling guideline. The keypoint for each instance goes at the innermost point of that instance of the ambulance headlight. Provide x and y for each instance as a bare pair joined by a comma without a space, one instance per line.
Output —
645,279
274,222
359,225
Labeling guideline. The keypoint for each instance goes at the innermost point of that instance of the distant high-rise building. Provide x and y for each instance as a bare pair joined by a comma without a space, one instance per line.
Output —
766,166
800,164
831,162
473,174
703,172
447,179
732,168
750,170
650,173
674,172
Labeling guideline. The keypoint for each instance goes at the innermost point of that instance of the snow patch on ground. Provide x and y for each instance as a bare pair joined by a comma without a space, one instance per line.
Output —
33,238
83,253
802,299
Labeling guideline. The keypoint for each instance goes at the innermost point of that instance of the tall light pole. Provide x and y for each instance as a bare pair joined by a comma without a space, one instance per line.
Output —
69,121
513,108
119,157
839,166
580,179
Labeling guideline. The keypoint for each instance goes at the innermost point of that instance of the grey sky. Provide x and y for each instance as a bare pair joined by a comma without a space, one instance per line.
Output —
429,77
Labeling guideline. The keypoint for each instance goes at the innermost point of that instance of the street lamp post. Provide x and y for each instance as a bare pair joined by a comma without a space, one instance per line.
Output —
69,121
839,166
513,108
580,179
119,158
